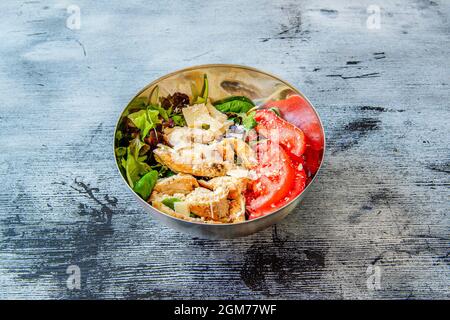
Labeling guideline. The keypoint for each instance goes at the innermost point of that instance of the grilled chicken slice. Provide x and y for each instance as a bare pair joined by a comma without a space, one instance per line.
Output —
161,207
242,150
156,200
210,207
197,159
180,183
178,137
160,196
209,204
237,209
206,160
219,199
236,186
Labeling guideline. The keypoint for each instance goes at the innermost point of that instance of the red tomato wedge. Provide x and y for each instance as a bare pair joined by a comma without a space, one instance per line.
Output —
275,179
313,158
280,131
296,110
299,184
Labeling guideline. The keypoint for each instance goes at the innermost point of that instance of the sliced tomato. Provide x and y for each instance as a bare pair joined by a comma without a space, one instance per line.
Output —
296,110
313,158
275,174
279,130
299,184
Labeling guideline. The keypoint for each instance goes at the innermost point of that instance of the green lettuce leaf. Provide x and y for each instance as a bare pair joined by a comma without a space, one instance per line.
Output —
165,114
134,164
248,121
145,120
145,185
121,151
134,169
178,119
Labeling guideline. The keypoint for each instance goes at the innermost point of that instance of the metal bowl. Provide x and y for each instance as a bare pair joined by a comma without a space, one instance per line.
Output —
224,80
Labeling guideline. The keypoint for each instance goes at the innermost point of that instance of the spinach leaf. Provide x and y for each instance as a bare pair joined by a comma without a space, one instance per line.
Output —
170,202
234,104
145,185
237,108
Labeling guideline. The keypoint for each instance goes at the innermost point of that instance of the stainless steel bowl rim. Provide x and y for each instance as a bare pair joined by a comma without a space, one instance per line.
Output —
145,203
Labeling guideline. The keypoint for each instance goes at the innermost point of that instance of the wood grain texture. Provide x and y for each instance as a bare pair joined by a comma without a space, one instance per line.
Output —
382,198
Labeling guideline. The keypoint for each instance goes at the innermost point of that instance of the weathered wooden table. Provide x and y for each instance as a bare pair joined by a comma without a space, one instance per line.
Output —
375,225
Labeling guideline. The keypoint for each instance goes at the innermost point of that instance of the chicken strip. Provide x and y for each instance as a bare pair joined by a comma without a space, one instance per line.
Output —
180,183
178,137
242,150
236,186
197,159
207,160
237,209
209,204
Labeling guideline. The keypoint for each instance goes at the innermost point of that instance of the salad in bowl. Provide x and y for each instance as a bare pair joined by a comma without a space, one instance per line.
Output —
212,156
